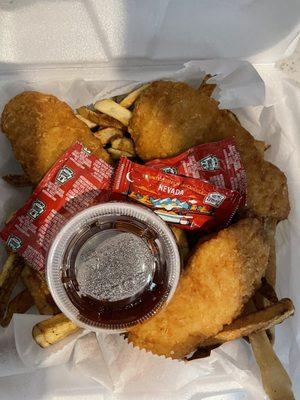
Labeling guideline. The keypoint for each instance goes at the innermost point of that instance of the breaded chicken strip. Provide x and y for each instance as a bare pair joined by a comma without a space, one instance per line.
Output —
170,117
41,128
221,275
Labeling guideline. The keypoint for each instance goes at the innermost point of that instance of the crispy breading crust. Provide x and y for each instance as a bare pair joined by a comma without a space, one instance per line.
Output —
170,117
41,128
221,275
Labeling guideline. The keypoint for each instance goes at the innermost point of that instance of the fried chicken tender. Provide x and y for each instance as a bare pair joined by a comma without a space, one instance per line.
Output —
41,128
170,117
221,275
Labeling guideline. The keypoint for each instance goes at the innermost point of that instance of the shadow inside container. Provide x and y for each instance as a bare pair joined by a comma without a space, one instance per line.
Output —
165,30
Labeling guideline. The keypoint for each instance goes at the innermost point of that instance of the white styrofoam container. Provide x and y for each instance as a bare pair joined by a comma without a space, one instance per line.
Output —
125,39
46,38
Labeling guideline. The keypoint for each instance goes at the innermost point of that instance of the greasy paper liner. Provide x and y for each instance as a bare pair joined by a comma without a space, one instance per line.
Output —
230,369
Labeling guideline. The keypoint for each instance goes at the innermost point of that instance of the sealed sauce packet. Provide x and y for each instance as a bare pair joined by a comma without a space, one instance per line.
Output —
186,202
77,180
217,162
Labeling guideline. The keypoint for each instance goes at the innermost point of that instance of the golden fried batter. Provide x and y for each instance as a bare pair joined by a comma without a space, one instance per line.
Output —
41,128
171,117
221,275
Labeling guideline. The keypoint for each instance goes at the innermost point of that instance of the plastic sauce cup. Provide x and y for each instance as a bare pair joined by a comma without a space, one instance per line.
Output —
113,266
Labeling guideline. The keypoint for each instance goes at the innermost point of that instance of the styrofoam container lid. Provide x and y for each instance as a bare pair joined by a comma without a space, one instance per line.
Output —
56,34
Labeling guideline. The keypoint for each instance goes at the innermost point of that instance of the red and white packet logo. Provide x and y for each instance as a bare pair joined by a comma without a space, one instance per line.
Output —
219,163
76,181
188,203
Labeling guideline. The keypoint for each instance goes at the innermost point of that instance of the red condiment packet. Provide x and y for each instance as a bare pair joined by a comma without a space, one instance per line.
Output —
77,180
186,202
219,163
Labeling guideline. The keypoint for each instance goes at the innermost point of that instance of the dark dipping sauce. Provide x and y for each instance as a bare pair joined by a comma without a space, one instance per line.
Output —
114,273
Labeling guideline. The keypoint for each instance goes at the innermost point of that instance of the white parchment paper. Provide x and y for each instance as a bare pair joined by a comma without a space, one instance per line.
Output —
106,366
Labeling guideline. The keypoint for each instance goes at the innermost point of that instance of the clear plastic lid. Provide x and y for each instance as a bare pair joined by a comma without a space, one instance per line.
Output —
112,266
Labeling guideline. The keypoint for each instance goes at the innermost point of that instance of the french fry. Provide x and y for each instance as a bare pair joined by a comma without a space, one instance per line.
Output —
254,322
267,292
17,180
107,135
206,88
124,144
261,301
88,123
129,100
52,330
261,343
114,110
117,154
39,291
103,120
270,229
275,379
9,276
18,305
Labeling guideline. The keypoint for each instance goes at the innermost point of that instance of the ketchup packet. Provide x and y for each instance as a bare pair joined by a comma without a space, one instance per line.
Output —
219,163
77,180
186,202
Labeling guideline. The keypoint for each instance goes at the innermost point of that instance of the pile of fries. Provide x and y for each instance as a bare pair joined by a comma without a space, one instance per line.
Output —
35,292
108,121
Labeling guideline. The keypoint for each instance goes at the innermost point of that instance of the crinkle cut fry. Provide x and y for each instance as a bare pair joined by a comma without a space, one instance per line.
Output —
18,305
9,276
255,322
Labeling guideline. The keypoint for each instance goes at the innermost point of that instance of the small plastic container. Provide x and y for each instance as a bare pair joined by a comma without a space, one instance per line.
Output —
113,266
